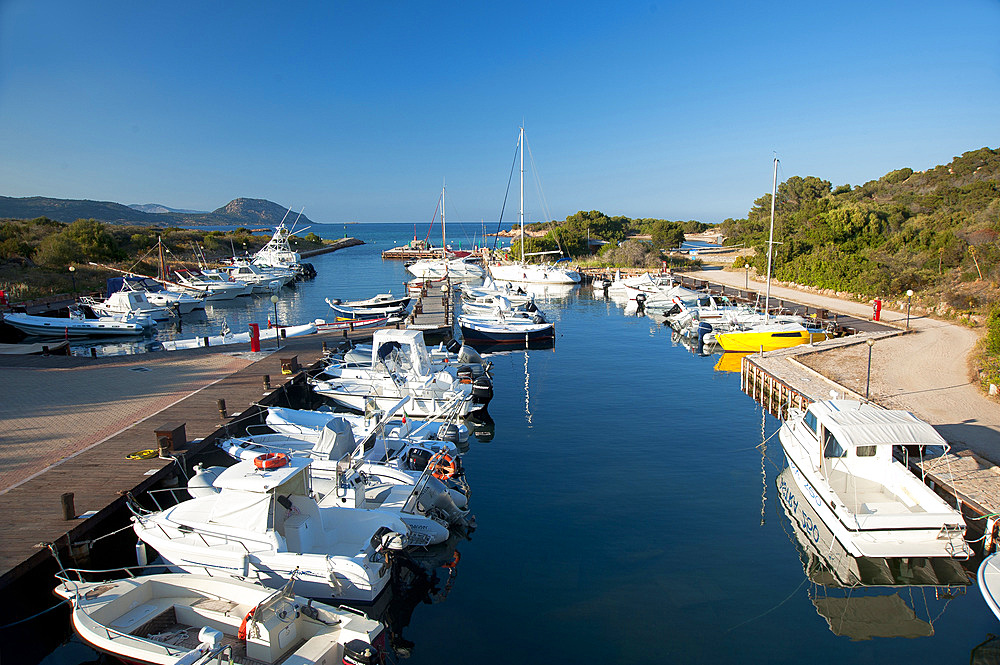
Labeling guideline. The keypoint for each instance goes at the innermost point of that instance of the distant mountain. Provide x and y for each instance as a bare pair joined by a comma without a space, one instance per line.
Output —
157,209
252,213
257,212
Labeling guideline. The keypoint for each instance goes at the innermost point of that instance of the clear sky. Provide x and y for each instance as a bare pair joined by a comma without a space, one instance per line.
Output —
358,111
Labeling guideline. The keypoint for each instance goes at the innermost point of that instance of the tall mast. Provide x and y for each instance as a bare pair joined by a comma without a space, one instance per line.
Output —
444,250
520,213
770,240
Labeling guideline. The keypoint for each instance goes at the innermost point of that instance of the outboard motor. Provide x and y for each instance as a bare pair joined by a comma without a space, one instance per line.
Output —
453,345
482,391
469,356
676,309
530,307
703,329
448,432
464,374
640,301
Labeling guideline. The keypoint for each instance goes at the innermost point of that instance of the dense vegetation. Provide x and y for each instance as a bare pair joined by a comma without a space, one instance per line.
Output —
581,236
932,231
36,254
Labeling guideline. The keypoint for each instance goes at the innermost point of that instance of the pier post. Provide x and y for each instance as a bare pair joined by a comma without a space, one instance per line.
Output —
68,509
222,408
267,378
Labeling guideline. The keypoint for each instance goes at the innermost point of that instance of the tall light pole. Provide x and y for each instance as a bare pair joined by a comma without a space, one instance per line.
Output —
72,274
868,380
746,275
277,330
909,294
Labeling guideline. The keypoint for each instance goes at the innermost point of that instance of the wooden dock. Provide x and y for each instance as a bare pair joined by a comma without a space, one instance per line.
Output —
99,475
778,382
433,311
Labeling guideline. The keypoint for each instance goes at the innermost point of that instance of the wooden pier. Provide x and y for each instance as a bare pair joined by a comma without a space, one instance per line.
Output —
778,382
433,310
99,474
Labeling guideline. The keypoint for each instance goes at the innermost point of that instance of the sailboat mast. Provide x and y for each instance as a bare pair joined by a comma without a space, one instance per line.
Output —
520,213
770,240
444,250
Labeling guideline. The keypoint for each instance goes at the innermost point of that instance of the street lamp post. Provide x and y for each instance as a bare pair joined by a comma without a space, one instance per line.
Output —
277,330
868,380
72,274
746,275
909,294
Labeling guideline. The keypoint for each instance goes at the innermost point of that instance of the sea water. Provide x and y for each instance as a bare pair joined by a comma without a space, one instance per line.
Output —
626,504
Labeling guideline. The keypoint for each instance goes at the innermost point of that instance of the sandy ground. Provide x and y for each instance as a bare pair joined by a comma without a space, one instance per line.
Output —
925,371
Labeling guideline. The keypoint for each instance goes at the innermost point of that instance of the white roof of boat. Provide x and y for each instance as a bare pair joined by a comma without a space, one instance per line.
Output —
860,424
247,477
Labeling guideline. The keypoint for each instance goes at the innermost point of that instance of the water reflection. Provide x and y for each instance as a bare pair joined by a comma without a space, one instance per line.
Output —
865,597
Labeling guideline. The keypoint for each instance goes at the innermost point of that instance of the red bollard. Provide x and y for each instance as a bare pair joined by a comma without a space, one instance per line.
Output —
254,337
877,310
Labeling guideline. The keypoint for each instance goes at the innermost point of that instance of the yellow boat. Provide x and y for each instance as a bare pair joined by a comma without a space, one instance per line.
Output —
769,337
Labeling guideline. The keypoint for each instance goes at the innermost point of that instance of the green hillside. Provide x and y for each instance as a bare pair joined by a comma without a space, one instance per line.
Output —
933,231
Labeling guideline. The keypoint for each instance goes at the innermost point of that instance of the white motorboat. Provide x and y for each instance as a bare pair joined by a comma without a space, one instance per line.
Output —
988,577
277,252
260,279
490,290
373,474
438,435
48,326
265,523
382,300
128,304
401,367
840,453
229,337
521,271
212,618
156,293
214,287
451,355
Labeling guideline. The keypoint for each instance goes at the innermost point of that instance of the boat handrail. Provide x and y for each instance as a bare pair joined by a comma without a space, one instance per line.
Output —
76,575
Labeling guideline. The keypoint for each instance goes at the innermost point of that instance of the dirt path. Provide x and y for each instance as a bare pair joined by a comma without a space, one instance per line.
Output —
924,371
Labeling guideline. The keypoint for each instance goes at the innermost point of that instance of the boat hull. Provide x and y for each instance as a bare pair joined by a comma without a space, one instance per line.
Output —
533,274
750,341
43,326
512,334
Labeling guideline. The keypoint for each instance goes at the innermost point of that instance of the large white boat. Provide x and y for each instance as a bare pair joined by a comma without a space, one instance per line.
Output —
211,618
840,453
61,327
128,304
533,273
265,523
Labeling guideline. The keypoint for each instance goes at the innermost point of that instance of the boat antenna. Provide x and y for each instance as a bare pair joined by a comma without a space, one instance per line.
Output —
770,240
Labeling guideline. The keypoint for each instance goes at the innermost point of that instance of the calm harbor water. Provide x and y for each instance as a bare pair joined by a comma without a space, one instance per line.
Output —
626,511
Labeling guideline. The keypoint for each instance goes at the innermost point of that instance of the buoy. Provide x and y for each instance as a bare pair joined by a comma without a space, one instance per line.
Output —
269,461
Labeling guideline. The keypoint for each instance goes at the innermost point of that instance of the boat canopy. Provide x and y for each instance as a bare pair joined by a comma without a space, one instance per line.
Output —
855,424
405,349
336,440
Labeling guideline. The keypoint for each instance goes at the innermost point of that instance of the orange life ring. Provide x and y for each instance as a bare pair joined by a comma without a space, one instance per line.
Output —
242,634
443,466
269,461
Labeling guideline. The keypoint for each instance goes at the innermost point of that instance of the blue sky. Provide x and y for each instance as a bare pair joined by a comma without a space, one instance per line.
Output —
359,111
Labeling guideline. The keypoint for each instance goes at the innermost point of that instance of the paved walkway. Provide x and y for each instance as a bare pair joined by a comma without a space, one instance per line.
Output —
925,371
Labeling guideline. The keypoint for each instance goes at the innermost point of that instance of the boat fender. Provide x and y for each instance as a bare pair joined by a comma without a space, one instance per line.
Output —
270,461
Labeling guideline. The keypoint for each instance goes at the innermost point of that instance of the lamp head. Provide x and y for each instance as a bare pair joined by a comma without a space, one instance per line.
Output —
870,342
274,299
909,293
72,268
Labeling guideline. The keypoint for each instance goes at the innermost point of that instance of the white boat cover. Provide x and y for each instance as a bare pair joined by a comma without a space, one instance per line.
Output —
856,424
336,440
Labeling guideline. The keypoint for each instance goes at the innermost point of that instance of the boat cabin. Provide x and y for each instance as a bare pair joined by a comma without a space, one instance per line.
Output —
401,351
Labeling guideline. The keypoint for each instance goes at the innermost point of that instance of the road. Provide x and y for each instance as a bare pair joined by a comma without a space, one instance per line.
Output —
925,371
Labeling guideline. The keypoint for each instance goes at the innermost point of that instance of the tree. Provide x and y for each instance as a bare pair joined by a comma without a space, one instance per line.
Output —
667,235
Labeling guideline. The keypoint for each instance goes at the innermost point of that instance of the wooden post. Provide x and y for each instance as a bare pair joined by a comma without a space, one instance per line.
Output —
68,510
267,378
222,408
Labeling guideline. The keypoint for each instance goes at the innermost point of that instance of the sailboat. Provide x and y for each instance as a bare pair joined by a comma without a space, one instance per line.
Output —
769,334
445,266
526,272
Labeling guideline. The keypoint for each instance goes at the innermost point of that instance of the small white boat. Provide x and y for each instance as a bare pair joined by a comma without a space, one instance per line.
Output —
988,577
48,326
157,293
128,303
215,287
382,300
266,334
212,618
401,367
265,523
840,454
464,268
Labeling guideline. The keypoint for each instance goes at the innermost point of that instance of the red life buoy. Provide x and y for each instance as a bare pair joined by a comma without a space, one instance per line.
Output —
269,461
443,466
242,634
